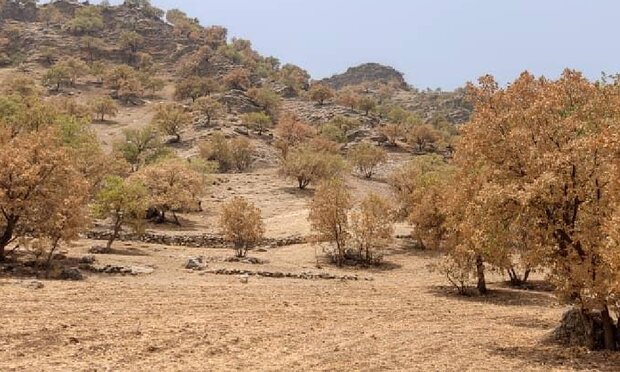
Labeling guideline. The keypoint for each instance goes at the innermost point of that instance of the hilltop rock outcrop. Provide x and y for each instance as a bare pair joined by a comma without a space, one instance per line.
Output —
367,73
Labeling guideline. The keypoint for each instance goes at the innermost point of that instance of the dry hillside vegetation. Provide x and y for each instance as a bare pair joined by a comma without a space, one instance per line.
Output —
172,199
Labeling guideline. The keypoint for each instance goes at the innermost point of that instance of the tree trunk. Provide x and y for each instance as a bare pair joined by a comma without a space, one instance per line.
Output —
482,284
48,262
117,227
7,236
609,330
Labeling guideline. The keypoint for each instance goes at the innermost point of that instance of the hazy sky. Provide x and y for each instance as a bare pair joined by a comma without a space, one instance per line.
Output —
436,43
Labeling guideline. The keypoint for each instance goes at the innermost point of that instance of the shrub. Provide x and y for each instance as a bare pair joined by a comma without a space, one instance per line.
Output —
259,121
366,157
242,225
329,216
307,165
372,228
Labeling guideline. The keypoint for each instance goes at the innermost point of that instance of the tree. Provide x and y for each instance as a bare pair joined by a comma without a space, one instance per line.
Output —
348,97
329,216
86,20
195,87
420,187
307,165
320,93
75,68
367,104
423,136
209,107
50,15
545,155
131,41
392,132
124,202
291,132
372,228
366,157
41,193
258,121
266,99
294,77
238,78
172,186
242,153
91,45
237,153
215,36
170,119
104,106
141,147
56,77
242,225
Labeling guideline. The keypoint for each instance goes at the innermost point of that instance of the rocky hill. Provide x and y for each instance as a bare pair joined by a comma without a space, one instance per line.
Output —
367,73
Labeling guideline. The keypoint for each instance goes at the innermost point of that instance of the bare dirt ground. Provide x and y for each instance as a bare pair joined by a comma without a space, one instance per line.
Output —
175,319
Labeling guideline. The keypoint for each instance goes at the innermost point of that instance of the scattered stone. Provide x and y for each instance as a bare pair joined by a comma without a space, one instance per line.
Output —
117,269
71,273
89,260
246,260
98,249
277,274
195,263
244,278
34,284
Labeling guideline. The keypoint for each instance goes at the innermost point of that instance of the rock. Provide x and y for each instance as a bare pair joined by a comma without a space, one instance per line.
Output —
195,263
577,329
34,284
88,260
98,249
72,273
245,278
367,73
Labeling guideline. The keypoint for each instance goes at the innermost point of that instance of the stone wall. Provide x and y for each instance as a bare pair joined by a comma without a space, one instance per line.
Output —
197,241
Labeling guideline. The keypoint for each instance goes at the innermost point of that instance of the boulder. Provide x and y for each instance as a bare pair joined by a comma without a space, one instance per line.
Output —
579,329
195,263
71,273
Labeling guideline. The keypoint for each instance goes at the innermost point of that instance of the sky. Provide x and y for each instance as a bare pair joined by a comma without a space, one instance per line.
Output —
436,43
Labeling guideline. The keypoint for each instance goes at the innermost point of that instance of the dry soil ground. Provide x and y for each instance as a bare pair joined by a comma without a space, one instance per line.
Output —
176,320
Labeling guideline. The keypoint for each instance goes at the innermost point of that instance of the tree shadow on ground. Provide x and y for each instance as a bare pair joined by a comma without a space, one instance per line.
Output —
530,285
497,296
552,356
296,191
